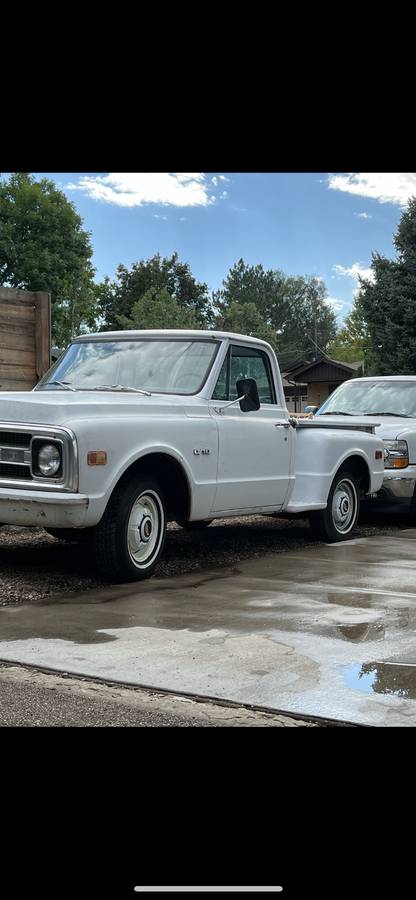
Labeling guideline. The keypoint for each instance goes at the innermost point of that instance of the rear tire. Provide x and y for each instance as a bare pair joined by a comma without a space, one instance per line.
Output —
129,539
337,522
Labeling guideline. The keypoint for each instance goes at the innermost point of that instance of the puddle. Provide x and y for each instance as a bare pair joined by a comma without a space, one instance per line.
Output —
343,598
364,631
398,679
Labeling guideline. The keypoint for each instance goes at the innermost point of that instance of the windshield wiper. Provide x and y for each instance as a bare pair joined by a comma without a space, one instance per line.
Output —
402,415
65,384
118,387
337,412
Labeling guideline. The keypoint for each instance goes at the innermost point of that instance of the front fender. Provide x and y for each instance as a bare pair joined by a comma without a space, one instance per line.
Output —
128,440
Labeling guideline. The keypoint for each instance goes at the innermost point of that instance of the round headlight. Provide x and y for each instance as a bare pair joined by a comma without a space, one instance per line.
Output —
49,459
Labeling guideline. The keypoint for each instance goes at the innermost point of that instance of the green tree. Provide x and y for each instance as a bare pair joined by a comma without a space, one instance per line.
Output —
289,312
352,342
311,323
43,247
265,288
118,297
388,303
245,318
158,309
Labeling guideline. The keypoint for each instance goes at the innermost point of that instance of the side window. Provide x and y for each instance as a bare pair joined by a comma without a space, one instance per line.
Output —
221,387
251,363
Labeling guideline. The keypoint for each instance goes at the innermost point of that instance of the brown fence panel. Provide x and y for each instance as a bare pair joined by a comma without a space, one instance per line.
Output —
25,338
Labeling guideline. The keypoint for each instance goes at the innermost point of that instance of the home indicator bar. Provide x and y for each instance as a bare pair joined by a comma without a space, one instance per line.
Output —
209,889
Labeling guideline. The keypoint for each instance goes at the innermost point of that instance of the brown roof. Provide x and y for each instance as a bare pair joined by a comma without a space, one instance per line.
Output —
323,360
293,365
351,365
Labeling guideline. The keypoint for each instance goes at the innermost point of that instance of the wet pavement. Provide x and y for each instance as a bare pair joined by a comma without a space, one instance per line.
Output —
329,630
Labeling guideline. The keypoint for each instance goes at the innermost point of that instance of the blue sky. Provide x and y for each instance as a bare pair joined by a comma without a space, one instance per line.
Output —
303,223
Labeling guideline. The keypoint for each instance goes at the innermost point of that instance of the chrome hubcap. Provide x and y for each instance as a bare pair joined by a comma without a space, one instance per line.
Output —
144,529
344,505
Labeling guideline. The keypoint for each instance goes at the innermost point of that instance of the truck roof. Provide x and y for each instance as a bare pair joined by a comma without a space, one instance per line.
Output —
169,332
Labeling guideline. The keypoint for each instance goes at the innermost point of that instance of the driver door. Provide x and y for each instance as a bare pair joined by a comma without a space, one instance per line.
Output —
254,458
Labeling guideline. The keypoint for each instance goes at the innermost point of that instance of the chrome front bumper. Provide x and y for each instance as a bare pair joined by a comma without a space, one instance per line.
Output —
396,490
42,508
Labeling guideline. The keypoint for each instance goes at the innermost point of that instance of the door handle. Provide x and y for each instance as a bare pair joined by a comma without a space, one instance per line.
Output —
282,425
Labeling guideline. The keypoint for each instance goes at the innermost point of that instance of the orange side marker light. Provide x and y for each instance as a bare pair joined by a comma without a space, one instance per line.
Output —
97,458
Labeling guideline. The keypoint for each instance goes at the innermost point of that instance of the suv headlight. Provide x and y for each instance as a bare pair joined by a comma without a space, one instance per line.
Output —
48,460
396,454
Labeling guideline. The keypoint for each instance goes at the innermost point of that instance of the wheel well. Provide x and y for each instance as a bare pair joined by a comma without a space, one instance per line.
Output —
358,467
171,477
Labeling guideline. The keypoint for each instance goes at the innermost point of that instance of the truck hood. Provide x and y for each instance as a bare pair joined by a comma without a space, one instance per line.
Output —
392,428
388,428
59,407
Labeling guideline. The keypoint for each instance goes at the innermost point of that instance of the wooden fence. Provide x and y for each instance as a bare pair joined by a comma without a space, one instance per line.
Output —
25,338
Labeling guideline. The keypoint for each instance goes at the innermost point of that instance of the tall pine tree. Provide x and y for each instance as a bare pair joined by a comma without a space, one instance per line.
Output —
389,303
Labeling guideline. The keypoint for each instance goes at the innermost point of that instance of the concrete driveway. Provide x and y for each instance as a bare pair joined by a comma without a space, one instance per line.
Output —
325,631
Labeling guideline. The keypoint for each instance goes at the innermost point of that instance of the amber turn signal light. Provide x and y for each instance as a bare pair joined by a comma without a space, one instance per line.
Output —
379,454
398,463
97,458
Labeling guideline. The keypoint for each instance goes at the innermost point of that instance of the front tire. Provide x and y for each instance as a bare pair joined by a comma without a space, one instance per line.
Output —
129,539
337,522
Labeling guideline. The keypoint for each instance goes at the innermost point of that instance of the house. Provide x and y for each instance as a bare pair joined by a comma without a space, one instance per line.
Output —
296,393
308,383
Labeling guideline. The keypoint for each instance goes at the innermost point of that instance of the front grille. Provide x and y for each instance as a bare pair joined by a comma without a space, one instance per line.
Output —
17,459
15,438
8,470
18,441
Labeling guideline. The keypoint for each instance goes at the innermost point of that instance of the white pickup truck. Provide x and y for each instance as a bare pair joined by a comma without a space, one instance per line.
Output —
131,429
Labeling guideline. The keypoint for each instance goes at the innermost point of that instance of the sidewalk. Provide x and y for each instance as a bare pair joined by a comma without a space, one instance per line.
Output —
32,698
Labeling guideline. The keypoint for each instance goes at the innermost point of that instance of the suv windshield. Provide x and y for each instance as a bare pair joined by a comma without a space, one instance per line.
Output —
161,366
364,398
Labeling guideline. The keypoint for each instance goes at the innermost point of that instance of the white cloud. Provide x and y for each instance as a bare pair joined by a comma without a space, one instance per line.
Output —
355,271
160,217
335,304
386,187
214,180
363,215
223,178
138,188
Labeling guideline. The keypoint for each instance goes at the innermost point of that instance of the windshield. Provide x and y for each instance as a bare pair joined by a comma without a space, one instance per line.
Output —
162,366
361,398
